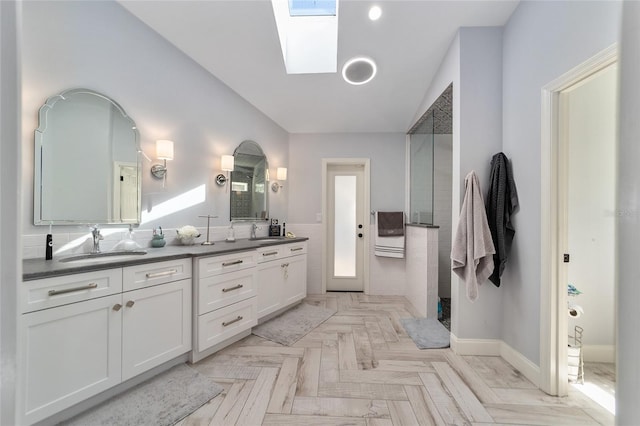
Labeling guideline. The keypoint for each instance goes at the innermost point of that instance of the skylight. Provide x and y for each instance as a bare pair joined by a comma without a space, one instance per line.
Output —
312,7
308,32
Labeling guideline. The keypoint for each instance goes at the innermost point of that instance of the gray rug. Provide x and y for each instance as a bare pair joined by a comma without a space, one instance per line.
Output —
162,400
427,333
292,325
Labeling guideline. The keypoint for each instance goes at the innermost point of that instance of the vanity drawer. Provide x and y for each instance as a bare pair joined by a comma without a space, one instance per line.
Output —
57,291
219,291
268,253
148,274
294,249
215,265
226,322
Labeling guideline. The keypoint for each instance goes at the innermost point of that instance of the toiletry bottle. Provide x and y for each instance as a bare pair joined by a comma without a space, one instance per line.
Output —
49,245
284,231
49,248
231,233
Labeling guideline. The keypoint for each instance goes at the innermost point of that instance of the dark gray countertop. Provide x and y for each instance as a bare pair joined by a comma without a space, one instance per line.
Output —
33,269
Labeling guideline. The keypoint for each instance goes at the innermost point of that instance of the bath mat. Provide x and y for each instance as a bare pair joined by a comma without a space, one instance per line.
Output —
293,324
426,333
162,400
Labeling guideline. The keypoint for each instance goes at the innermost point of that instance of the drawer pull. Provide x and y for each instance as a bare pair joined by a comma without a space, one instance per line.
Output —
162,274
224,290
235,262
71,290
117,307
271,253
130,303
284,265
224,324
296,249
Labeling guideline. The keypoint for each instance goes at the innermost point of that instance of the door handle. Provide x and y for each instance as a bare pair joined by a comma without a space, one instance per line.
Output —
360,235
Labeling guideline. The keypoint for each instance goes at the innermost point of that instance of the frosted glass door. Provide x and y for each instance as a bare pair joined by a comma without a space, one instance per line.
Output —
344,255
346,221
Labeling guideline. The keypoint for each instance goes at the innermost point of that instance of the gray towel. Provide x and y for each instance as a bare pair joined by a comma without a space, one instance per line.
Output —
502,202
390,224
471,254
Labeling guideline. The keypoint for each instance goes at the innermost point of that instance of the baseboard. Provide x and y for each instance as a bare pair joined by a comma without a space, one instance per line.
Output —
496,347
599,353
483,347
521,363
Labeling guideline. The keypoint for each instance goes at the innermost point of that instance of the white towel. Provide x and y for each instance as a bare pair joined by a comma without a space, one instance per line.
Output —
472,251
388,246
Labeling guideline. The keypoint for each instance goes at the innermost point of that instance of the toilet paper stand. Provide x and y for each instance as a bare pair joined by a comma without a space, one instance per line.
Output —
575,361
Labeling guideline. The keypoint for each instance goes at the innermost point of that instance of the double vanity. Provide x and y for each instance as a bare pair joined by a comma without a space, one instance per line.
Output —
91,324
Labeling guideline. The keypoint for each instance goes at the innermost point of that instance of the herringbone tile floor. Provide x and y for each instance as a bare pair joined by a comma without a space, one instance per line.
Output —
360,368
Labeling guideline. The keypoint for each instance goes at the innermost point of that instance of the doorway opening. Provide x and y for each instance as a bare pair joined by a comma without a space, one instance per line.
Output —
578,238
345,213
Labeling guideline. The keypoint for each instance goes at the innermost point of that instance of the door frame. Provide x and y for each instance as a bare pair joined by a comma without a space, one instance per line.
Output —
553,208
326,163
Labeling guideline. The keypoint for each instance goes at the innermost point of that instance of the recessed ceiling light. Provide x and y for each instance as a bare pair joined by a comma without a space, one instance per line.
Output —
359,70
375,13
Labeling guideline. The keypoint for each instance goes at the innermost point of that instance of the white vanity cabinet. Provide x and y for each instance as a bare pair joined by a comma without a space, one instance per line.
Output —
282,276
156,319
81,334
225,300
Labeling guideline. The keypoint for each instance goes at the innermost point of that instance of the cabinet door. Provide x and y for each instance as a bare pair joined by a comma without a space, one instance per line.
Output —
70,353
270,292
156,326
294,279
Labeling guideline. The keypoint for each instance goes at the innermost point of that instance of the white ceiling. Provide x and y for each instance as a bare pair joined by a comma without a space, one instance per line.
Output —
237,41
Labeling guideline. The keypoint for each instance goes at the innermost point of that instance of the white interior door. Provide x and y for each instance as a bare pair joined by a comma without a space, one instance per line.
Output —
346,227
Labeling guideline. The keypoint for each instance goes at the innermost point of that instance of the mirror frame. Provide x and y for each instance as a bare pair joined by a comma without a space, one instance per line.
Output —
256,146
40,140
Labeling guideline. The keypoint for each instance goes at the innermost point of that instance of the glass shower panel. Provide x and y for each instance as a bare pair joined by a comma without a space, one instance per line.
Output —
345,227
421,173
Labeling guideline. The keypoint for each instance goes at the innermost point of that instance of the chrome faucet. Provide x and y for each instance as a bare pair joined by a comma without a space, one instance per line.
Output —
253,230
95,232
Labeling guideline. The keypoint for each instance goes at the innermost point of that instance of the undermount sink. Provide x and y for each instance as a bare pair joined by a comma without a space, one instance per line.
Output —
108,255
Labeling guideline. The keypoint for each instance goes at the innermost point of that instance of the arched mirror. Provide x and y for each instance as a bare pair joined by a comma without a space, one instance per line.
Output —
249,183
87,164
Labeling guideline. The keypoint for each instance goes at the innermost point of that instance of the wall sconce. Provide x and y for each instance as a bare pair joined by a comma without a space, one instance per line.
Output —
164,152
281,174
227,163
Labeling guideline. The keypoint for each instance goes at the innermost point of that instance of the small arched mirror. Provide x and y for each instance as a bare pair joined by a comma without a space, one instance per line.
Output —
87,166
249,183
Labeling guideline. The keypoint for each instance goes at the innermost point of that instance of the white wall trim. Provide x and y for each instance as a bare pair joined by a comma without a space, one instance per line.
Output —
495,347
553,297
521,363
366,162
480,347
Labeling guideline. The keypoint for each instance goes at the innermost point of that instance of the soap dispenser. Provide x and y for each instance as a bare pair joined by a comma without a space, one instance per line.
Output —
127,243
231,234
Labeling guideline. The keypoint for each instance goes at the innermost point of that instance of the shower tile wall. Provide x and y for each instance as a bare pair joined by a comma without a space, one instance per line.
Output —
442,182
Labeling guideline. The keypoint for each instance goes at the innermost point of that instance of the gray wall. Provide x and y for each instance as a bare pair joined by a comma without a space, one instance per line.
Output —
101,46
542,41
304,184
387,154
10,246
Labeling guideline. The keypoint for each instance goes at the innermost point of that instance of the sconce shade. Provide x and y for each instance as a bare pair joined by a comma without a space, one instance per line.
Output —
281,173
227,163
164,149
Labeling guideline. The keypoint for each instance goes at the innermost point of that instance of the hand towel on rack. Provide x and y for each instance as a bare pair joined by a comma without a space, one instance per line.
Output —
390,224
472,251
391,245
